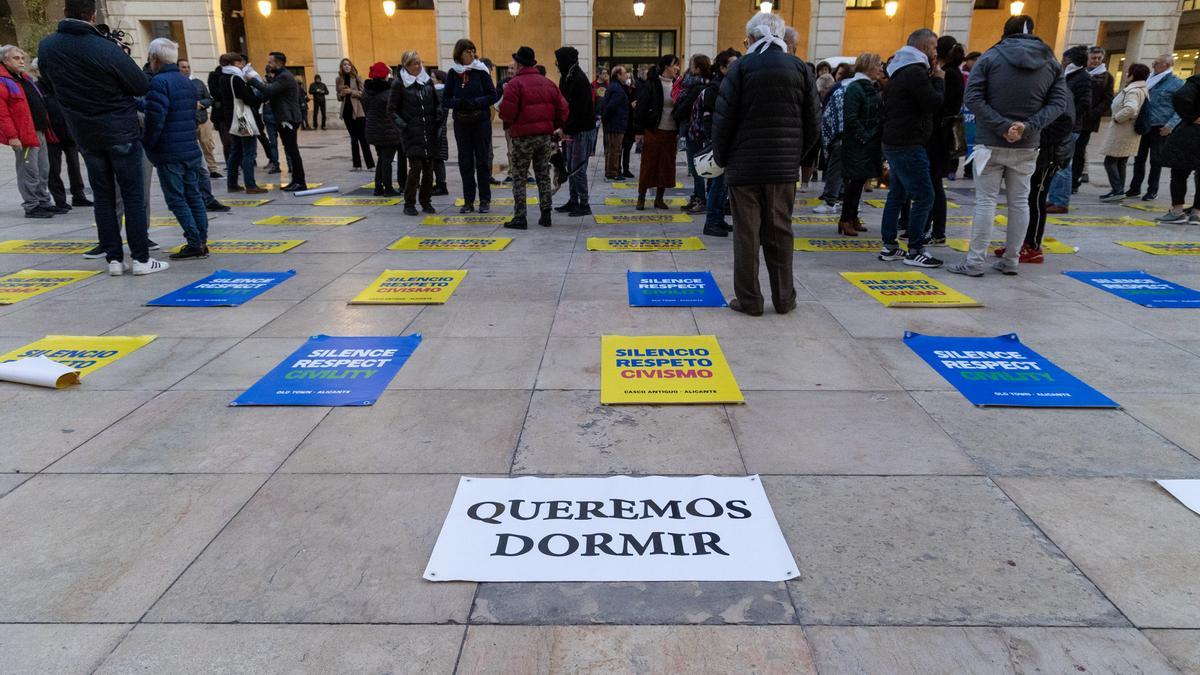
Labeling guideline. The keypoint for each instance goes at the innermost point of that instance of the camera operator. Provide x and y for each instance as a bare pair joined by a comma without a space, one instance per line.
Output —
96,83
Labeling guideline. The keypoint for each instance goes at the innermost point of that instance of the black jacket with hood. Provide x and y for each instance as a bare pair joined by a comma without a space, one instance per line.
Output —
577,89
1018,80
1079,83
911,99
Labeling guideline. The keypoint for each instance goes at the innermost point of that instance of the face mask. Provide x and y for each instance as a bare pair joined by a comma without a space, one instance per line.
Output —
439,87
628,81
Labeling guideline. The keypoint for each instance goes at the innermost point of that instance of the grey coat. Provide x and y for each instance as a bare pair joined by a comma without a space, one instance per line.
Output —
204,98
1018,80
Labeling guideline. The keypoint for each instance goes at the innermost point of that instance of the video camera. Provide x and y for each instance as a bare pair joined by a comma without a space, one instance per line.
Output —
118,37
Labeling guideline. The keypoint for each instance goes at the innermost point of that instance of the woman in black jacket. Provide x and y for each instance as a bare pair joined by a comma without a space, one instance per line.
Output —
941,141
658,129
415,104
381,130
469,96
1181,152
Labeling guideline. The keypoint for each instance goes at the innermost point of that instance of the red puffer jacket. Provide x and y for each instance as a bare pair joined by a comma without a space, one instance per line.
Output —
15,119
532,105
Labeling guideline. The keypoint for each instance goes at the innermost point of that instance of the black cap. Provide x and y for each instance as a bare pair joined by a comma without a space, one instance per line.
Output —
525,57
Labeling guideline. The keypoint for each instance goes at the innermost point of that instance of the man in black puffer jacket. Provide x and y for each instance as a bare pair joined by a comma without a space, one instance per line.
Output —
916,85
767,117
579,131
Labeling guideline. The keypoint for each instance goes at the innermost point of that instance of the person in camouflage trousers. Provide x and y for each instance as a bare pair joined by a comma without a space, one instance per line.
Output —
533,108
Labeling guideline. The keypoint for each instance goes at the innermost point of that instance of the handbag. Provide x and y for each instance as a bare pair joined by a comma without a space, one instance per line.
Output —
956,136
1141,125
469,116
243,117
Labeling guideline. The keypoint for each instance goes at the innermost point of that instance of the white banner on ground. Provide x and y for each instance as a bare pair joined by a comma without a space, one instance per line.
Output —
39,371
701,528
1187,491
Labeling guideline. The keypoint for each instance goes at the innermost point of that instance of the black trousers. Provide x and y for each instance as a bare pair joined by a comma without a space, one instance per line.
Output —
318,109
852,191
939,164
58,152
1039,190
1149,149
419,183
1079,161
626,151
359,149
291,148
383,168
1179,188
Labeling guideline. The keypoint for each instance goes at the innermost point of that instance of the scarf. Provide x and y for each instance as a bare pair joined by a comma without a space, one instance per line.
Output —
475,65
1071,67
234,71
906,56
1098,70
856,78
768,38
408,79
1155,78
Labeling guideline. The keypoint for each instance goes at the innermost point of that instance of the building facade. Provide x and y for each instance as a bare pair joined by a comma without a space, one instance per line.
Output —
317,34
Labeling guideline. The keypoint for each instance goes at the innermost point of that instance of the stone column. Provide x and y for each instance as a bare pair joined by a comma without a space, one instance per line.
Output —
577,31
825,31
202,31
453,24
327,22
953,17
701,27
1156,23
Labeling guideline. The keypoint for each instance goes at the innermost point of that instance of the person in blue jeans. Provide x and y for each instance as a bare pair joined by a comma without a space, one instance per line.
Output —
170,137
242,142
1079,85
914,94
717,194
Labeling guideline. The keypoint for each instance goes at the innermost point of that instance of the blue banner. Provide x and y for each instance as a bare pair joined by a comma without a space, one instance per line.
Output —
1003,372
333,371
1144,289
222,289
674,289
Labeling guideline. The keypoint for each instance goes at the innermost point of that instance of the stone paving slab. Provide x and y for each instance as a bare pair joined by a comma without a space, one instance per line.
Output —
984,651
103,548
64,649
925,551
1182,647
40,425
1131,537
285,649
324,549
642,649
10,481
1171,415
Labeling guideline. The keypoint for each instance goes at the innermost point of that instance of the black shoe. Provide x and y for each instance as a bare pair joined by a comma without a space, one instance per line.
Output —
390,192
569,206
786,308
580,211
58,208
38,212
507,179
891,253
517,223
152,245
410,210
273,168
715,231
215,174
1133,192
81,201
467,208
441,191
727,227
493,181
920,259
94,253
377,193
189,252
216,207
1149,196
484,207
428,208
544,221
294,187
626,174
736,306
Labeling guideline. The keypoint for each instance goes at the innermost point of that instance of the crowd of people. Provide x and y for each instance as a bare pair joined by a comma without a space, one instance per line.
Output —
753,125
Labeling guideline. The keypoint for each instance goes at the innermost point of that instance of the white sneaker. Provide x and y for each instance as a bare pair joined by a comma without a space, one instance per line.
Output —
117,267
828,208
149,267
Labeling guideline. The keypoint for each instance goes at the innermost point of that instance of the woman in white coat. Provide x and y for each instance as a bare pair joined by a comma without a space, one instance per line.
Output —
1123,139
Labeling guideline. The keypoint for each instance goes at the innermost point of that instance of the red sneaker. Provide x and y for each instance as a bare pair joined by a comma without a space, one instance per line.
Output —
999,252
1031,255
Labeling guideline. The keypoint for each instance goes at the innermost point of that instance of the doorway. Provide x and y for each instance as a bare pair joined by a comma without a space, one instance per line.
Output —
637,50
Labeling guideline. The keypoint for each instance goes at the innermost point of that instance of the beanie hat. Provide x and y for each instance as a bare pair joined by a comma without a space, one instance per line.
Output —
379,70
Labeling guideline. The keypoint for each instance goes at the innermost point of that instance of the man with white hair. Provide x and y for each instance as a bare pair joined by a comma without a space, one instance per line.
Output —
766,119
170,139
1159,120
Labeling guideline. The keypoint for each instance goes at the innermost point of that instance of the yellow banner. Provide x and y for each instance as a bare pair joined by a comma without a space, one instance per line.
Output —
163,221
632,201
84,353
499,201
633,186
411,287
1049,245
1146,207
641,218
48,246
853,244
1164,247
908,289
814,220
1098,221
246,202
308,220
665,369
248,245
25,284
450,244
645,244
468,219
357,201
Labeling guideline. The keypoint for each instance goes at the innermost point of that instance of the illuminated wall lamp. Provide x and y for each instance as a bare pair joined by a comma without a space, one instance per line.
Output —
890,7
514,9
765,6
264,7
639,9
1016,8
389,8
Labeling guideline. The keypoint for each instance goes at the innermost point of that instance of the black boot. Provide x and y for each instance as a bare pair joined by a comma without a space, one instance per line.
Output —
544,221
517,223
569,206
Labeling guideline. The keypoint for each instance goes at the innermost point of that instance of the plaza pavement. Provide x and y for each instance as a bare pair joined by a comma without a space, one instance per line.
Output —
145,526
